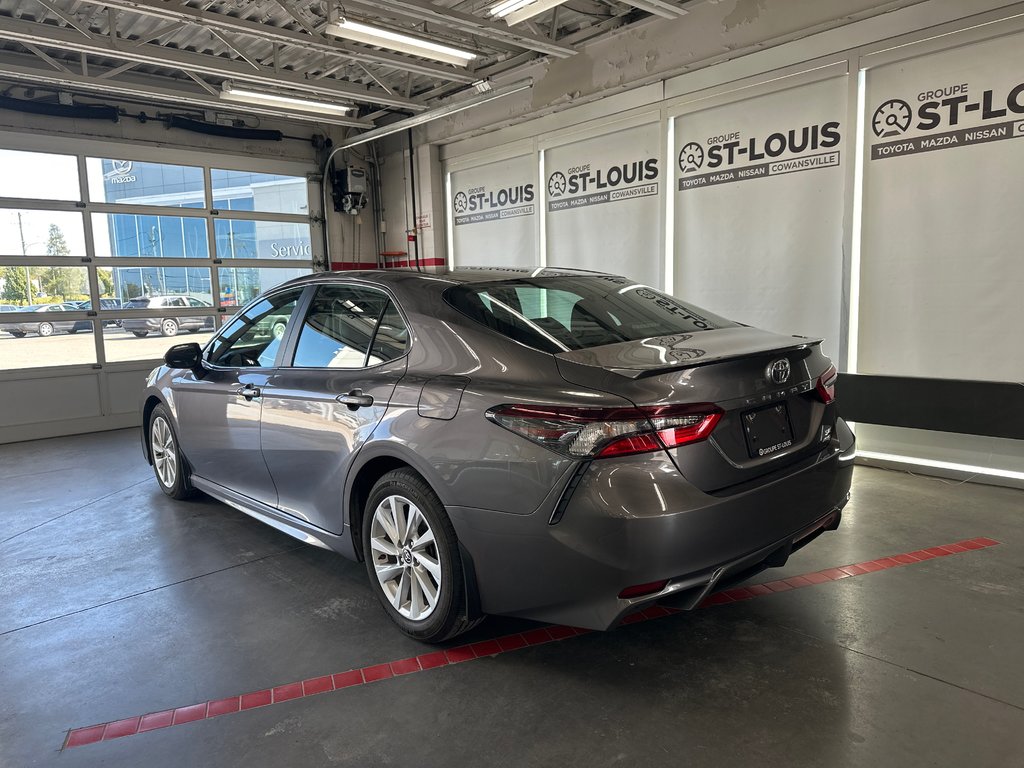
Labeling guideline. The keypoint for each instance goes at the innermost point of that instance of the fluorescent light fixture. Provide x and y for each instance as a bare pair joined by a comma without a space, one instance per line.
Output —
242,96
515,11
935,464
396,41
434,114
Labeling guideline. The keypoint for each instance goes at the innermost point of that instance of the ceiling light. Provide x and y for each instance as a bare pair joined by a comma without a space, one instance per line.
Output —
240,95
515,11
434,114
396,41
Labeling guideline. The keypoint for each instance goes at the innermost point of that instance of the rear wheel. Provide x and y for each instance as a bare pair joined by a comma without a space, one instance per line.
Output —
18,334
45,329
169,327
278,330
141,334
169,466
412,558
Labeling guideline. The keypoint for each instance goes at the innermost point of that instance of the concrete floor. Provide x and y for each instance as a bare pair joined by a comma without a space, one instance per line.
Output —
116,601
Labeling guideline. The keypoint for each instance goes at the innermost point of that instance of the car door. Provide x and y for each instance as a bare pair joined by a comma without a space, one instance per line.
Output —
198,321
349,354
58,322
219,411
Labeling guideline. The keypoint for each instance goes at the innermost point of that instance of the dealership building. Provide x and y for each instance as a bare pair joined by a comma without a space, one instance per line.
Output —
511,382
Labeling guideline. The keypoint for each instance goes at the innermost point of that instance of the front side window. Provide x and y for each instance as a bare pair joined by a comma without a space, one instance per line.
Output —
252,338
350,326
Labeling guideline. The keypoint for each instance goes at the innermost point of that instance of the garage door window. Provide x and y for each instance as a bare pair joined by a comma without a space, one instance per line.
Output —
146,239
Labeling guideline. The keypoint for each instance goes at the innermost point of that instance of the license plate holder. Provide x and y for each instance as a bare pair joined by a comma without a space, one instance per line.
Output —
767,430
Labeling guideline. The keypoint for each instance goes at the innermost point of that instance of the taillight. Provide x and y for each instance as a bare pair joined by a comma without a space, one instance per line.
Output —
827,385
590,433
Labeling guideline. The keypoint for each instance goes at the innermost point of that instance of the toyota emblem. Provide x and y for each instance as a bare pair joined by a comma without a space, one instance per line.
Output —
778,371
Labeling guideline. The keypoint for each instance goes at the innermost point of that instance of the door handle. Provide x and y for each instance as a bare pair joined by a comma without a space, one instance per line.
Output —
248,391
355,399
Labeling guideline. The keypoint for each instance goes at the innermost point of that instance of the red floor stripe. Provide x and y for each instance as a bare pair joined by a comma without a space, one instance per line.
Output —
78,737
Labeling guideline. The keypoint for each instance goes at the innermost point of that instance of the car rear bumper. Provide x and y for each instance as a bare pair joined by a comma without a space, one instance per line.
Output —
635,521
145,324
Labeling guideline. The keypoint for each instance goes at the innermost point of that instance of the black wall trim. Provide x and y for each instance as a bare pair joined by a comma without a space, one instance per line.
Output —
991,408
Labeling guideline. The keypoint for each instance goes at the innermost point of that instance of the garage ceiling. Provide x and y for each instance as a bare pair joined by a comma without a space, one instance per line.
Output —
186,52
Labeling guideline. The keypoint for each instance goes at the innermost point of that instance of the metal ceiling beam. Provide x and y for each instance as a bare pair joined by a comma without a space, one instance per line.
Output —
476,25
15,67
658,8
181,12
217,66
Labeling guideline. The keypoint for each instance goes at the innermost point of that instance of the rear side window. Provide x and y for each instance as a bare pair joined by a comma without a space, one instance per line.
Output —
350,326
138,303
557,314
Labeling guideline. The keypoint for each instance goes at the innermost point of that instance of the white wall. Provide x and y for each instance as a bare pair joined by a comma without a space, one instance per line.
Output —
869,254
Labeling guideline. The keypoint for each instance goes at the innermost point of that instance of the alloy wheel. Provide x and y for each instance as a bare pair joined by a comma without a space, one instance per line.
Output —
165,457
405,558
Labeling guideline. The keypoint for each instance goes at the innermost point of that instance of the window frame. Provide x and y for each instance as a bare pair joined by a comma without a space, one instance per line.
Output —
203,273
293,337
301,305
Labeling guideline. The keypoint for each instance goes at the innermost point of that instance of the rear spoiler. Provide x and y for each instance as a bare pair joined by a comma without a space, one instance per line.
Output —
659,354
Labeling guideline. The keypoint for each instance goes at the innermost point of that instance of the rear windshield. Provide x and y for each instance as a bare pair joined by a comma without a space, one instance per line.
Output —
138,303
557,314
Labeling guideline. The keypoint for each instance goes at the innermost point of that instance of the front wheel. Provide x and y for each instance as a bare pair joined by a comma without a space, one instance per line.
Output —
412,558
171,470
45,329
169,327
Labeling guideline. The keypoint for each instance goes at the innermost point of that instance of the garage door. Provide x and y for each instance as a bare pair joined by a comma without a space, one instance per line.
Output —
108,258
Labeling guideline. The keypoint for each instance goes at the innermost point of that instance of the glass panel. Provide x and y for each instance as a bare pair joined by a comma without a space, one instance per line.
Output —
147,338
41,233
253,339
21,286
337,331
38,175
392,337
239,285
129,234
267,192
120,285
46,339
128,181
238,239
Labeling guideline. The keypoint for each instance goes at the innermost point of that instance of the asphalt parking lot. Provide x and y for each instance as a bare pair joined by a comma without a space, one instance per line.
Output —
34,351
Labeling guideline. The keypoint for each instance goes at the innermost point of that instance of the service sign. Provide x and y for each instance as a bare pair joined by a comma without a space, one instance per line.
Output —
494,213
602,203
759,202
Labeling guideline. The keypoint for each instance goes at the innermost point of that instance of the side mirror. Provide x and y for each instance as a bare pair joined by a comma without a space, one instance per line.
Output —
185,356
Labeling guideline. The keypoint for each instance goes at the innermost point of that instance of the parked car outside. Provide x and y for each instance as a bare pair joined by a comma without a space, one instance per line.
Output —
166,326
552,444
11,308
49,322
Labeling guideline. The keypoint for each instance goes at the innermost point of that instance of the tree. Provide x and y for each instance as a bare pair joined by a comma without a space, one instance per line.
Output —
56,245
16,288
61,281
106,282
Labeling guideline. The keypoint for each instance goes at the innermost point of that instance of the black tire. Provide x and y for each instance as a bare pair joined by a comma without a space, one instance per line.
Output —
169,327
45,329
18,334
72,330
182,487
449,616
141,334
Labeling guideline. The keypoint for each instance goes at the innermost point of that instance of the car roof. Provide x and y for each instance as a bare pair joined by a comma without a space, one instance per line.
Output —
460,275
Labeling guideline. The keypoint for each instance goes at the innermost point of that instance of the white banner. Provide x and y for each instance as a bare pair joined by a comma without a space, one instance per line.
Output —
494,214
603,210
759,209
942,278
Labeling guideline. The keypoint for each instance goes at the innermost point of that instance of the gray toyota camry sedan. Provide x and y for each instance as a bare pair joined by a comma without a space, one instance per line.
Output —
555,444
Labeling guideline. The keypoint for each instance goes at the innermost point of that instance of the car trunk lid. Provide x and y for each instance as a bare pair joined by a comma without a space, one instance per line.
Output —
765,384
